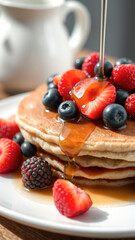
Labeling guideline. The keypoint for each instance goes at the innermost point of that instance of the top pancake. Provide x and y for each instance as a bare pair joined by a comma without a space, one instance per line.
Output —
32,117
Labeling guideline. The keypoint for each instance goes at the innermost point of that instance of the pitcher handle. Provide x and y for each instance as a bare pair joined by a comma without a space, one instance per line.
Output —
82,25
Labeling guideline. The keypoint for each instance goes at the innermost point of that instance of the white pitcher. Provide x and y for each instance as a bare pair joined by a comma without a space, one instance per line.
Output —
34,42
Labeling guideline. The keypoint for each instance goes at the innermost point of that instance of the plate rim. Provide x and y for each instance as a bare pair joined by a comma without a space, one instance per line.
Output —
53,227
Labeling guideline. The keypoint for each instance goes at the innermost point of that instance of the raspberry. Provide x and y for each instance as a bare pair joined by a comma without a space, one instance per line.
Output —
130,105
124,76
90,63
36,173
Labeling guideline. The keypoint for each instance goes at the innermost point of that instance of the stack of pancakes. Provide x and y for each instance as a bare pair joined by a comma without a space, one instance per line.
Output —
106,156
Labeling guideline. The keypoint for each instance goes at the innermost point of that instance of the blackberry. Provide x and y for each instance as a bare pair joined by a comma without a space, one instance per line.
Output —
36,173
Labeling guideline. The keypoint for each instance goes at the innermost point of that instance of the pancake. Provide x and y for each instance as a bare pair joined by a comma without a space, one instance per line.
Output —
84,177
100,154
32,117
91,172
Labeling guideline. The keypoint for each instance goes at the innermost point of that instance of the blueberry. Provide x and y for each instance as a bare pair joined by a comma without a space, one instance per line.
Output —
114,116
52,99
123,61
18,138
49,79
108,67
78,62
28,149
121,96
68,110
52,85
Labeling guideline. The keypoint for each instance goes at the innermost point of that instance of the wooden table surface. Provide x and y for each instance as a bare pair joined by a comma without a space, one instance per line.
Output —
10,230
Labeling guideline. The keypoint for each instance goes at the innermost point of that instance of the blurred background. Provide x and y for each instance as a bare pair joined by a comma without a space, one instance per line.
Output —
120,36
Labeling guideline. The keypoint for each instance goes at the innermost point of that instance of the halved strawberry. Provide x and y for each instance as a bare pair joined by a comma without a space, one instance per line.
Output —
8,127
10,155
57,78
69,199
92,96
68,80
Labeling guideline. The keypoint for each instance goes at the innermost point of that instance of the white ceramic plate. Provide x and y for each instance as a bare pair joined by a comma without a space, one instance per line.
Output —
105,222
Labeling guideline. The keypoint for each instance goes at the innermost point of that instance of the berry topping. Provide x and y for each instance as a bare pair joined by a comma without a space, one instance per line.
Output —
89,63
69,199
57,78
123,61
36,173
68,80
18,138
52,99
92,96
10,155
8,128
121,96
50,79
114,116
130,105
68,110
124,76
78,62
28,149
52,85
108,67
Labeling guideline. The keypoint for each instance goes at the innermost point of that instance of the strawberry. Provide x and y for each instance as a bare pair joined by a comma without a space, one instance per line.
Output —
89,63
130,105
69,199
68,80
8,127
92,96
124,76
10,155
57,78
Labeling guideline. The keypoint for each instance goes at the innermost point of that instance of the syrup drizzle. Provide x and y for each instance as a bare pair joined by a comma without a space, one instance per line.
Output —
71,140
74,134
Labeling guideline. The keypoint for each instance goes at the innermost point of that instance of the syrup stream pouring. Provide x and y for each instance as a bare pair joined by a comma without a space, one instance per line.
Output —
71,141
102,37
